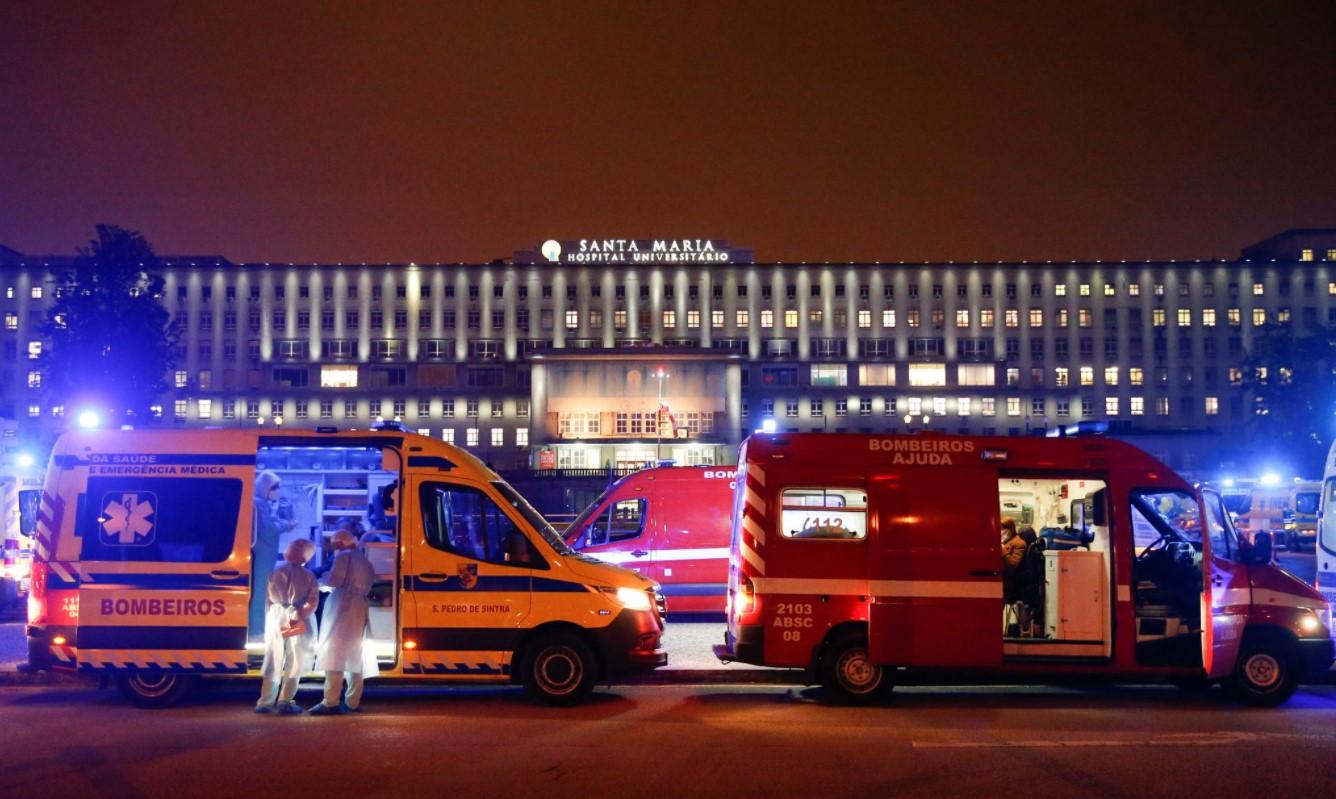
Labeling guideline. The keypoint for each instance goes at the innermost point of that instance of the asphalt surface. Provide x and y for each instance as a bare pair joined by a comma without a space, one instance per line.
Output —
674,741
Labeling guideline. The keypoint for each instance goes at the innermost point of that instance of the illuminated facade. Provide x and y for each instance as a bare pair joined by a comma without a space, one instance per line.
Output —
546,363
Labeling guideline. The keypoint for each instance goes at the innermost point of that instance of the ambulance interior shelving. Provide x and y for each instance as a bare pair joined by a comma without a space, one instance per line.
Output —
324,487
1058,601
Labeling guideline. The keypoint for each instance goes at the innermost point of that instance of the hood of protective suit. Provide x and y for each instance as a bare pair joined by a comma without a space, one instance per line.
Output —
264,483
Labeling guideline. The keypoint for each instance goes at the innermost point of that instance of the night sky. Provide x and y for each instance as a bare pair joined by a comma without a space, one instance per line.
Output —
815,131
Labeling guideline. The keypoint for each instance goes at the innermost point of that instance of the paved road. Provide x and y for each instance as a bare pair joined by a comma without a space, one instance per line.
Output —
674,741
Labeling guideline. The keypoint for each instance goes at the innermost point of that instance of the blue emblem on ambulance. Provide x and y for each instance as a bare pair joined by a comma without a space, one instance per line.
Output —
468,574
128,518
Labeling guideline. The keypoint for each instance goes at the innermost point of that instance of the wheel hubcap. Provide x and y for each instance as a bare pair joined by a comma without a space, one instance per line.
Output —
1262,670
857,674
559,670
152,685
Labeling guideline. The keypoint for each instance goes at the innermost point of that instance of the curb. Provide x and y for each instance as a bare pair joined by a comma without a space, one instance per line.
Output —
12,677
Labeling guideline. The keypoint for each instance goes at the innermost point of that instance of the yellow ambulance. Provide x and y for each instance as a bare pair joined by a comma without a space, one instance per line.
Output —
145,560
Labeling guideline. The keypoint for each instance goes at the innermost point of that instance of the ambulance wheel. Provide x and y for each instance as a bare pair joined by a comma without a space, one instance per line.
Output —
154,689
848,675
1267,673
559,669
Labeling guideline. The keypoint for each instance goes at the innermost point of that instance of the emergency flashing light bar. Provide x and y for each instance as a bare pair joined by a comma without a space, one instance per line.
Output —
1080,429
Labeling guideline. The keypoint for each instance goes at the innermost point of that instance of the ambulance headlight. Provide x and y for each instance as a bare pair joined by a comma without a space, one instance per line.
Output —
629,598
1309,623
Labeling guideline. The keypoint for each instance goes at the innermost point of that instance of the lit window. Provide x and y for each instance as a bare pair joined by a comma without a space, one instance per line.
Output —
448,435
204,408
1157,317
815,513
1213,404
1062,317
619,319
767,318
888,318
1331,255
1085,290
1013,406
1083,317
1134,289
1161,406
1258,289
34,350
1109,290
1110,375
1158,289
1138,406
963,406
830,375
1013,377
744,318
1087,375
498,436
182,378
927,374
987,406
975,374
876,374
1111,406
912,318
12,320
1235,376
1305,255
1060,377
522,437
1060,290
1135,375
1036,317
34,410
1012,317
179,409
1184,317
34,379
338,376
1259,316
471,437
1233,316
1208,317
670,318
790,318
716,319
962,318
572,320
36,292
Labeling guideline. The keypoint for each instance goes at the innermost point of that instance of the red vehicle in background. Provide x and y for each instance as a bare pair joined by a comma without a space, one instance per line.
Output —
856,556
671,524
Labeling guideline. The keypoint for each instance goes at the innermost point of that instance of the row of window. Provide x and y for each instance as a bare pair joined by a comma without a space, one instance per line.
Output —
424,290
1037,407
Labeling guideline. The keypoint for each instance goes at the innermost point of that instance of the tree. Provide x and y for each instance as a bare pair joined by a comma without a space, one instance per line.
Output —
112,341
1291,381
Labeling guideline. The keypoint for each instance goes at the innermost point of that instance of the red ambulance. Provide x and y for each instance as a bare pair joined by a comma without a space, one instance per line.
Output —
855,556
671,524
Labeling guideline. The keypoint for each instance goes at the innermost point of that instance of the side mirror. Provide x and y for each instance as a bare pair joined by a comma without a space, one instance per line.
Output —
28,502
1261,548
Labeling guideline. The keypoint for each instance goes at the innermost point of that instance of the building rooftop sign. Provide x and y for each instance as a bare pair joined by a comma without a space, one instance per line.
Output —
635,251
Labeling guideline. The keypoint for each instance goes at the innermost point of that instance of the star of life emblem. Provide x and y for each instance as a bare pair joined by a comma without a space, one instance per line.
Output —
128,518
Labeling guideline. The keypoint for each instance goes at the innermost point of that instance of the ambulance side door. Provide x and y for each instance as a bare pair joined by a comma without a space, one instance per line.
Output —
935,568
1229,595
621,532
467,582
164,563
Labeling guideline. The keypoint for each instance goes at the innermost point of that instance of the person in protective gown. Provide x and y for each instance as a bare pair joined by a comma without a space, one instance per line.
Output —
267,526
341,653
289,629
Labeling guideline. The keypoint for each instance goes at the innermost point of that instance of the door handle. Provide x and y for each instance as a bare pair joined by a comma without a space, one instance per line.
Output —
433,577
984,573
224,574
638,553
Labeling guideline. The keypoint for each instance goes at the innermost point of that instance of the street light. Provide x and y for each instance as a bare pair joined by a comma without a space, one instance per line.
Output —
662,374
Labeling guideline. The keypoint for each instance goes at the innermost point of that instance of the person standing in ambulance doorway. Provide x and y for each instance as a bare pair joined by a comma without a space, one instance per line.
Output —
342,654
289,634
266,528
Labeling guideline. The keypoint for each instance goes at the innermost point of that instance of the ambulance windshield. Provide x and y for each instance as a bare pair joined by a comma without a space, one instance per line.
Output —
533,517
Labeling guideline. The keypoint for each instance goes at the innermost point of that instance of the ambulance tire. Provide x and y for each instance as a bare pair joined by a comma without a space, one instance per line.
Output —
559,669
1267,673
154,690
847,676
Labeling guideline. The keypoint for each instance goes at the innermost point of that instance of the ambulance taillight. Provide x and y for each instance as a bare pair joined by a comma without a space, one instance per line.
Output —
744,601
37,593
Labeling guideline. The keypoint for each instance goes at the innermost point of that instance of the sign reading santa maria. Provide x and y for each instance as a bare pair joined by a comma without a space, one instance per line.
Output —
639,251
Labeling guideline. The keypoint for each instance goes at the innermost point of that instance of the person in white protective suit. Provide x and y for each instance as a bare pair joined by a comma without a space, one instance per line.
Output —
289,629
341,654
